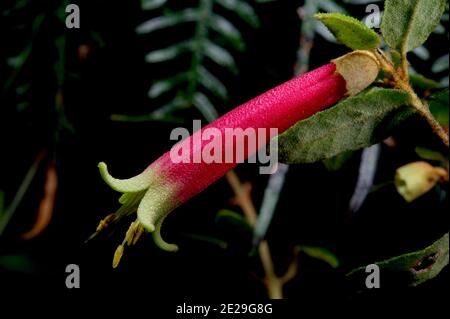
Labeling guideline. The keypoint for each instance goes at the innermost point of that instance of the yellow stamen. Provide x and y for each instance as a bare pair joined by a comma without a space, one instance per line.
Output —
105,222
138,234
117,256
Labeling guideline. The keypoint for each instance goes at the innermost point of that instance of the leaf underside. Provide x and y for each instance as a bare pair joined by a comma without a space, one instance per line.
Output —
407,24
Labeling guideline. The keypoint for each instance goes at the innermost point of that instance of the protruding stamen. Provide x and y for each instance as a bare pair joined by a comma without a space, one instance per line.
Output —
117,256
104,223
138,233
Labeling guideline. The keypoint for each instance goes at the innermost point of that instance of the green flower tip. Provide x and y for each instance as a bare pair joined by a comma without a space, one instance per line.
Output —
150,197
131,185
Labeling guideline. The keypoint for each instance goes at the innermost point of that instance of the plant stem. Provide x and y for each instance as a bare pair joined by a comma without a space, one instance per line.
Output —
273,284
402,82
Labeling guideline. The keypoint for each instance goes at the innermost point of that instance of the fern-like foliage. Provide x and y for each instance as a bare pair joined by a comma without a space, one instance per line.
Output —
211,43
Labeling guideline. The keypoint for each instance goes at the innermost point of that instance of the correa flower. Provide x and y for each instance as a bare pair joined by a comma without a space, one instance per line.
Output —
164,185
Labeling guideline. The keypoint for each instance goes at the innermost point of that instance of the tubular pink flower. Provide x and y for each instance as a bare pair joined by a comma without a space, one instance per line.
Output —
165,185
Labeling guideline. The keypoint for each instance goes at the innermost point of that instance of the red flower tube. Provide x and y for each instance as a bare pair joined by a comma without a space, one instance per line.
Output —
166,184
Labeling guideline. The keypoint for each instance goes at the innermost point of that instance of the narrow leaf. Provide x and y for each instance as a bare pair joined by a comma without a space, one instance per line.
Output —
243,9
354,123
366,176
213,84
422,53
152,4
204,105
170,20
324,32
163,86
410,269
407,24
322,254
168,53
331,6
430,155
269,203
349,31
219,55
226,29
441,64
233,218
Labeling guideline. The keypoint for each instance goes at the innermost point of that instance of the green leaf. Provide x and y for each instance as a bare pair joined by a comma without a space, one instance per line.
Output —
243,9
410,269
206,239
160,87
213,84
441,64
430,155
331,6
229,217
349,31
169,20
17,263
226,29
335,163
152,4
322,254
422,53
354,123
168,53
439,107
407,24
419,81
219,55
204,105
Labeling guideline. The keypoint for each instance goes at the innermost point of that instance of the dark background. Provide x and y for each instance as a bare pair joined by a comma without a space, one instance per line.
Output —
114,78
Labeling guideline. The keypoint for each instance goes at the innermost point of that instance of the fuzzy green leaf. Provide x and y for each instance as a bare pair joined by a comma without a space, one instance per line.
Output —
407,24
410,269
349,31
354,123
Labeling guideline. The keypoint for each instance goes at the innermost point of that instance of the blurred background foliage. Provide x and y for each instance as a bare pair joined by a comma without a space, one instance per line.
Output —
112,91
